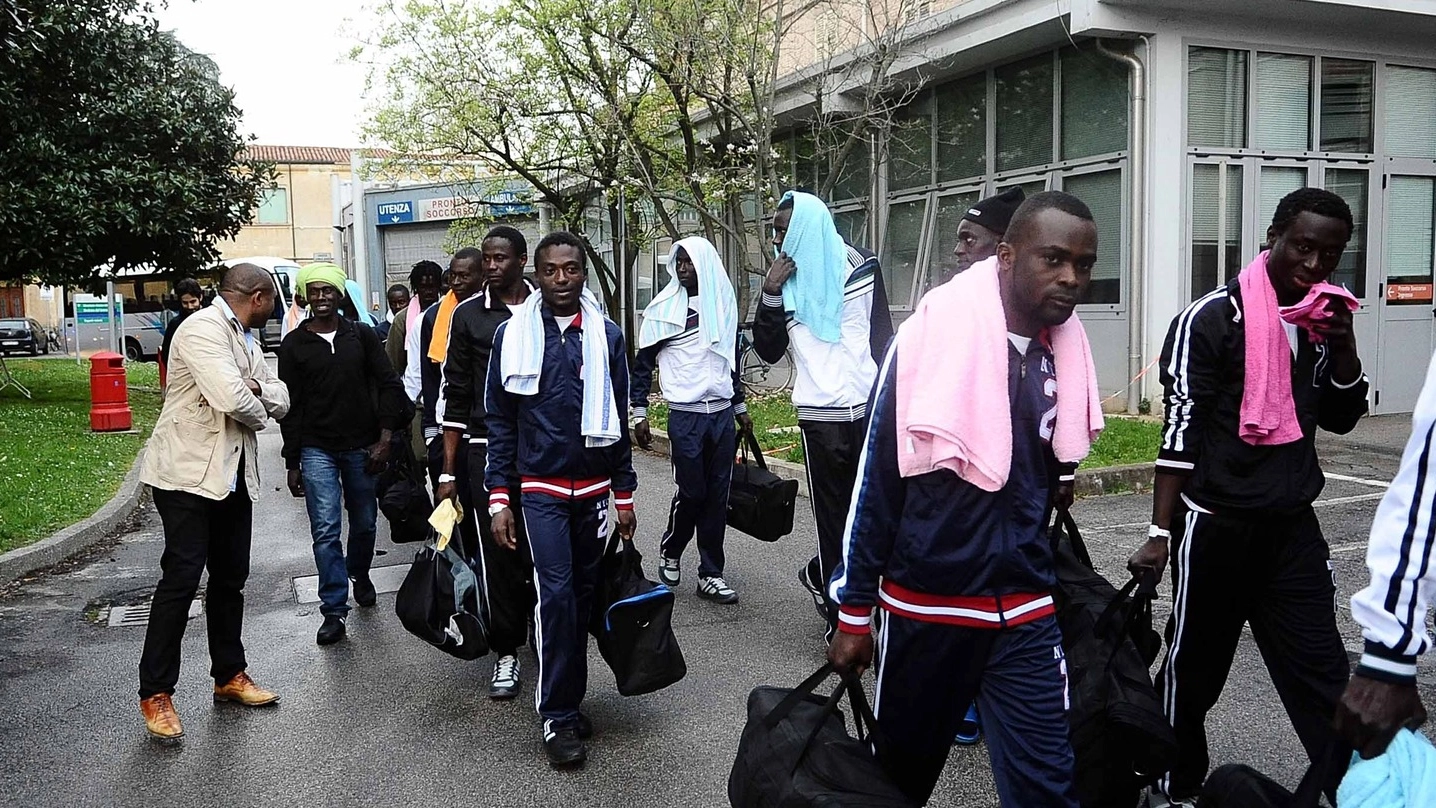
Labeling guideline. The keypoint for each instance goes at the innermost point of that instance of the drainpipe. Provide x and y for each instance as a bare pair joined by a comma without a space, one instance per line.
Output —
1137,174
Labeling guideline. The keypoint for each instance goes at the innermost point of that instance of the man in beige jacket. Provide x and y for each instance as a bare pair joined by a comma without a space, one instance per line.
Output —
202,465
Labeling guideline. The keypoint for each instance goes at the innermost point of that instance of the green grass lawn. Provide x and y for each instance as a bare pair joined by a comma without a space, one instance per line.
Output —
53,470
1125,440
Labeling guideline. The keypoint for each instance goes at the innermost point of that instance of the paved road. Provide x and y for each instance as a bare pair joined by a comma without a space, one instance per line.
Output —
383,719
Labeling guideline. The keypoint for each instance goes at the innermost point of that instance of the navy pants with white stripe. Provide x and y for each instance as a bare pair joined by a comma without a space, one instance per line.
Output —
567,537
703,448
929,672
1273,572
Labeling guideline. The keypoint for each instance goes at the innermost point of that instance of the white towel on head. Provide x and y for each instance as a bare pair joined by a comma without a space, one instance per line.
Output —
521,364
667,315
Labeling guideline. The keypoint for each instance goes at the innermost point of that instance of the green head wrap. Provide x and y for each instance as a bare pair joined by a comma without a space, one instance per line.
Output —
320,273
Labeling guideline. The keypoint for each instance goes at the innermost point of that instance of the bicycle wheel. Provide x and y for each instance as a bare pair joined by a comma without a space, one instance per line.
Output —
780,375
753,371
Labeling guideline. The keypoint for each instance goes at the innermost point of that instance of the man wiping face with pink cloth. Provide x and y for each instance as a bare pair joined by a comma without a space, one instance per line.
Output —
1250,372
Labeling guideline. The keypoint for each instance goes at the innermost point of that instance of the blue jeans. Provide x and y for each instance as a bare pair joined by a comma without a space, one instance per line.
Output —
328,477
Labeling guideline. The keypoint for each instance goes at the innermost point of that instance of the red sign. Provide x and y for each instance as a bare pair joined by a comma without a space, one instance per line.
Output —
1408,293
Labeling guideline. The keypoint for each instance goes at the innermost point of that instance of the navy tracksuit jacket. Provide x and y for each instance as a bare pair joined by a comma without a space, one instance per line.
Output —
965,577
537,440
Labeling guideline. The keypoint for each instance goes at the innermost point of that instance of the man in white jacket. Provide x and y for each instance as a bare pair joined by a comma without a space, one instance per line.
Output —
1382,697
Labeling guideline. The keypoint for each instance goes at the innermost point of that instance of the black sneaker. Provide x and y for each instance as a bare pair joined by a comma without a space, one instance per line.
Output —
505,682
717,590
805,577
565,749
332,631
364,593
585,727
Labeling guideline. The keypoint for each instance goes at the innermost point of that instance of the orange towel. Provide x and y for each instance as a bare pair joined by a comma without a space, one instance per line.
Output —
439,344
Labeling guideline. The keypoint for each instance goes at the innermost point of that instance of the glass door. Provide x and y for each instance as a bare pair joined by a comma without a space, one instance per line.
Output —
1405,291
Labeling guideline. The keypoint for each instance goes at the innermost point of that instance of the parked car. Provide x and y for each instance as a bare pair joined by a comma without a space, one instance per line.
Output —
23,336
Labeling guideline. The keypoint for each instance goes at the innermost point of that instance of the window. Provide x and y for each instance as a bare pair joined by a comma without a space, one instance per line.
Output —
1094,104
910,147
1102,191
1283,103
274,206
1346,102
962,129
1216,98
1351,185
1410,108
1276,182
1409,231
852,225
1216,226
941,263
901,245
1024,114
855,173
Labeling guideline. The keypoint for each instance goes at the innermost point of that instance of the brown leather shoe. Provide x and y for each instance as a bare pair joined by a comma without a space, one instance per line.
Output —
160,717
242,690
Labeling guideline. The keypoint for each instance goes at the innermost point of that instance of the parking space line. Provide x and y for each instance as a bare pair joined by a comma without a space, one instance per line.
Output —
1346,478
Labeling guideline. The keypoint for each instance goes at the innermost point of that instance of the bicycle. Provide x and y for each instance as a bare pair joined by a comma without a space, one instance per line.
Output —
758,375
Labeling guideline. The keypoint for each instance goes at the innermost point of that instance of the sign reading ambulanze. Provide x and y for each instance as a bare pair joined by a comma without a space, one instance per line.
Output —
396,212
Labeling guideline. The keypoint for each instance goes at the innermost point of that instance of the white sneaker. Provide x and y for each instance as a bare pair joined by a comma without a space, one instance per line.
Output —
506,682
1156,799
668,572
717,590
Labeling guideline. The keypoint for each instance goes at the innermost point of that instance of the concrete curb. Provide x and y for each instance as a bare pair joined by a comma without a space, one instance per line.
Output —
71,540
1135,478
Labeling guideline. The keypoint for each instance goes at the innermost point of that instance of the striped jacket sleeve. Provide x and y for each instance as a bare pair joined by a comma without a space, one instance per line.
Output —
876,510
1191,375
1392,609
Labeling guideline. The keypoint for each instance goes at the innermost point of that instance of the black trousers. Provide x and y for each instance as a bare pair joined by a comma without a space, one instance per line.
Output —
1274,573
831,450
508,575
199,533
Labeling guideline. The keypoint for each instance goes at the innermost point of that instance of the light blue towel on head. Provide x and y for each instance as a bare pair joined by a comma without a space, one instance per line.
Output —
1402,777
667,315
814,293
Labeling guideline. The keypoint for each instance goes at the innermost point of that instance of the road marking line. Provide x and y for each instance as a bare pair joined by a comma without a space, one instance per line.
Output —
1321,503
1358,480
1348,547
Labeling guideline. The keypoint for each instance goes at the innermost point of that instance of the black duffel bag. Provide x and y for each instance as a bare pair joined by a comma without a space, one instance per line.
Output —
632,620
1237,786
760,503
403,497
795,751
439,602
1121,739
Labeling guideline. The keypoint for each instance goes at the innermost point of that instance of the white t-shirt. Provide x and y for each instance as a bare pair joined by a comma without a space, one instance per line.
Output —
565,322
1019,342
329,338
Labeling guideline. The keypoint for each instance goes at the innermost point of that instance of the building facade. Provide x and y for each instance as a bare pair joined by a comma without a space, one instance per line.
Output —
296,219
1243,101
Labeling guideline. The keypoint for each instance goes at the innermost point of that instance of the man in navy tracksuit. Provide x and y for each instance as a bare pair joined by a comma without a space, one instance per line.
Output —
965,575
543,438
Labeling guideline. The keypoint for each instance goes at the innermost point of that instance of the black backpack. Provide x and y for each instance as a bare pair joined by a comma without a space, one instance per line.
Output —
632,620
796,751
403,497
760,503
1121,740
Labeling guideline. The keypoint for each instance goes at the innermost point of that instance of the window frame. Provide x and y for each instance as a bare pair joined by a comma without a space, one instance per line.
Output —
288,210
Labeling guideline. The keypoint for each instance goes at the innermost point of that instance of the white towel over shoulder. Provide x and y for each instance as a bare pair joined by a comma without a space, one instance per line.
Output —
522,363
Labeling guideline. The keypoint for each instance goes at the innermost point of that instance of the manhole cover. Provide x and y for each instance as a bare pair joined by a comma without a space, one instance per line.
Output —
129,615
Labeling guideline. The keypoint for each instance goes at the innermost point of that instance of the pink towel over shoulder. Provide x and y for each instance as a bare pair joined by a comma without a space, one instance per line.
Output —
952,401
1268,412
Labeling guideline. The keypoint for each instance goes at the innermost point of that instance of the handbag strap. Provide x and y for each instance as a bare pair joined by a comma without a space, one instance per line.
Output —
790,701
1308,792
863,715
1065,522
750,444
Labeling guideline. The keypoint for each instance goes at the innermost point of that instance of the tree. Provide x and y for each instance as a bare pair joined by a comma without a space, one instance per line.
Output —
117,145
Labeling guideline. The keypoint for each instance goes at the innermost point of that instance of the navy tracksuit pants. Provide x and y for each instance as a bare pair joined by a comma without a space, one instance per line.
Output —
927,674
507,574
567,538
703,449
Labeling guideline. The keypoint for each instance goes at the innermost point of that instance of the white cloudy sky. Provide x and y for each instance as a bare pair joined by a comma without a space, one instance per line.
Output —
287,61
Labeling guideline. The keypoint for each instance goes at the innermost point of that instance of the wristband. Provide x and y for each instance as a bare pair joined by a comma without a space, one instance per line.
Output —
445,478
1154,532
494,509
